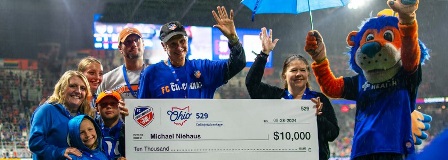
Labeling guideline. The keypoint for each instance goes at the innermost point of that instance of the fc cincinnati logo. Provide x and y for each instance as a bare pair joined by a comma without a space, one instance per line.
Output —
143,115
179,115
172,26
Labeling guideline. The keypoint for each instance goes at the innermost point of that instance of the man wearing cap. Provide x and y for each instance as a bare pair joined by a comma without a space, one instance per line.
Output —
125,78
178,77
112,126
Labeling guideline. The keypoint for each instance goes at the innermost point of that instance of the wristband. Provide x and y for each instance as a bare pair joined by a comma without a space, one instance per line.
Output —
235,40
263,55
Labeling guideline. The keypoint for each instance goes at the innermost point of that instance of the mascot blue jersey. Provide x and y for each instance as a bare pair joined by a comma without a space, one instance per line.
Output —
196,79
383,113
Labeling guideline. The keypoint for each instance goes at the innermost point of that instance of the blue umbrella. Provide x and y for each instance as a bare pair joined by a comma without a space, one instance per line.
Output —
290,6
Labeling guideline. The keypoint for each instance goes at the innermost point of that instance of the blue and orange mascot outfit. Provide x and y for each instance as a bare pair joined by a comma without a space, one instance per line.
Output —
387,56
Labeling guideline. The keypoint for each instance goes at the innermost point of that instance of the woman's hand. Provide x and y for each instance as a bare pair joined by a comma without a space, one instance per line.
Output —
71,150
319,105
267,43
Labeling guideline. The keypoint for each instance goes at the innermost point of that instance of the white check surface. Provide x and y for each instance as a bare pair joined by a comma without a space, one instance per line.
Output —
222,129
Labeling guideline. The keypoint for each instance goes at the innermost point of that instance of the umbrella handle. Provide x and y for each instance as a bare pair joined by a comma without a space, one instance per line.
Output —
255,9
311,15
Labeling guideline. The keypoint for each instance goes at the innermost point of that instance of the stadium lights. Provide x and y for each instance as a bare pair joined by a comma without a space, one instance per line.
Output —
355,4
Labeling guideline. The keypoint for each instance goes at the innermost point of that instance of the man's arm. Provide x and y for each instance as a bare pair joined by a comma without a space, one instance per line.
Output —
237,59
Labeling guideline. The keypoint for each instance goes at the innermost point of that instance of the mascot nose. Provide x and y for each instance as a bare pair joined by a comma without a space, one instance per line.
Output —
371,48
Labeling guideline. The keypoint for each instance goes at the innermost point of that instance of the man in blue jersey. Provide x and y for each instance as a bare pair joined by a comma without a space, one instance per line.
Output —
178,77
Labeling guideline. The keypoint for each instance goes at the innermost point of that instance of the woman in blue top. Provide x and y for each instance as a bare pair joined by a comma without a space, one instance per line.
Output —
85,135
295,73
49,129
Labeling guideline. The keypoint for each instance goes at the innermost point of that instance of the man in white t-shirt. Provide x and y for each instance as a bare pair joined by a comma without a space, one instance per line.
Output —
125,78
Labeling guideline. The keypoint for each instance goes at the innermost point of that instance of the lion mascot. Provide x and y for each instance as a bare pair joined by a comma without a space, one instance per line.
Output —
387,57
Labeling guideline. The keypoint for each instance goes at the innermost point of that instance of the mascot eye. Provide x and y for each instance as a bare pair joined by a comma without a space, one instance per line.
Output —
389,35
370,37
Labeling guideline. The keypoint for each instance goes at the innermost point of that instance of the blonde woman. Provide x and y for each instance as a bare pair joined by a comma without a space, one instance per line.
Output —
49,129
93,70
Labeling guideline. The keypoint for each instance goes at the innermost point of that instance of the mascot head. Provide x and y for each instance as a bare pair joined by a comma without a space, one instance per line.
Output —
375,50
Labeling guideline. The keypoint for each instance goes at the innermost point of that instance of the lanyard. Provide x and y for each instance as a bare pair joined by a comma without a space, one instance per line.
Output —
92,102
126,79
306,94
176,78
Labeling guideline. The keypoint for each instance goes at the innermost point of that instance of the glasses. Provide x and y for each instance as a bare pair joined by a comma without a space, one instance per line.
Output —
105,104
129,42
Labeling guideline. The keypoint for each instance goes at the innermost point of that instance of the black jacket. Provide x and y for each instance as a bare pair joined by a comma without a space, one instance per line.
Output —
236,61
327,124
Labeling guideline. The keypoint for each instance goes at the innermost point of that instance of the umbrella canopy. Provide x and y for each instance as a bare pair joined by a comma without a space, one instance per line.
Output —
290,6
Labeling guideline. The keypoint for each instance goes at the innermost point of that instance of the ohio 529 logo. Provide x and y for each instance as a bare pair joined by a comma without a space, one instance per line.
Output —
143,115
179,115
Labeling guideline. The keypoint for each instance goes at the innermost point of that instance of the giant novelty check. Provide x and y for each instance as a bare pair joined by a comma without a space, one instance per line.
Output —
225,129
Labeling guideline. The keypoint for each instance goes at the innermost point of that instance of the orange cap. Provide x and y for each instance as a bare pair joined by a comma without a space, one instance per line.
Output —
128,31
103,94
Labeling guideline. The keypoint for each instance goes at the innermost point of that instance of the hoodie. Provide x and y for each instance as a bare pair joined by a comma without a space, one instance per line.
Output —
48,133
74,140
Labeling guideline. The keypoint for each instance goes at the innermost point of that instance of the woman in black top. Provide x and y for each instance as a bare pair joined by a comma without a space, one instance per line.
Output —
295,73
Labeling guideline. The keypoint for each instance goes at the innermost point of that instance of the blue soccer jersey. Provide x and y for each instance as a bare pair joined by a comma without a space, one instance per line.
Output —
383,113
196,79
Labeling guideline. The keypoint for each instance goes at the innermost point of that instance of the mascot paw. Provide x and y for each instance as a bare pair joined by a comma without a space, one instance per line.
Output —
315,46
405,9
420,123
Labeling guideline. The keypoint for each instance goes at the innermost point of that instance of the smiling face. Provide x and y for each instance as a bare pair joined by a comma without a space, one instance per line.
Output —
379,54
296,75
94,74
176,48
75,93
88,134
376,49
132,47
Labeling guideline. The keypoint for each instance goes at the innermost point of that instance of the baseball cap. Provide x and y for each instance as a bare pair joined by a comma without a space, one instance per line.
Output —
104,94
126,32
171,29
